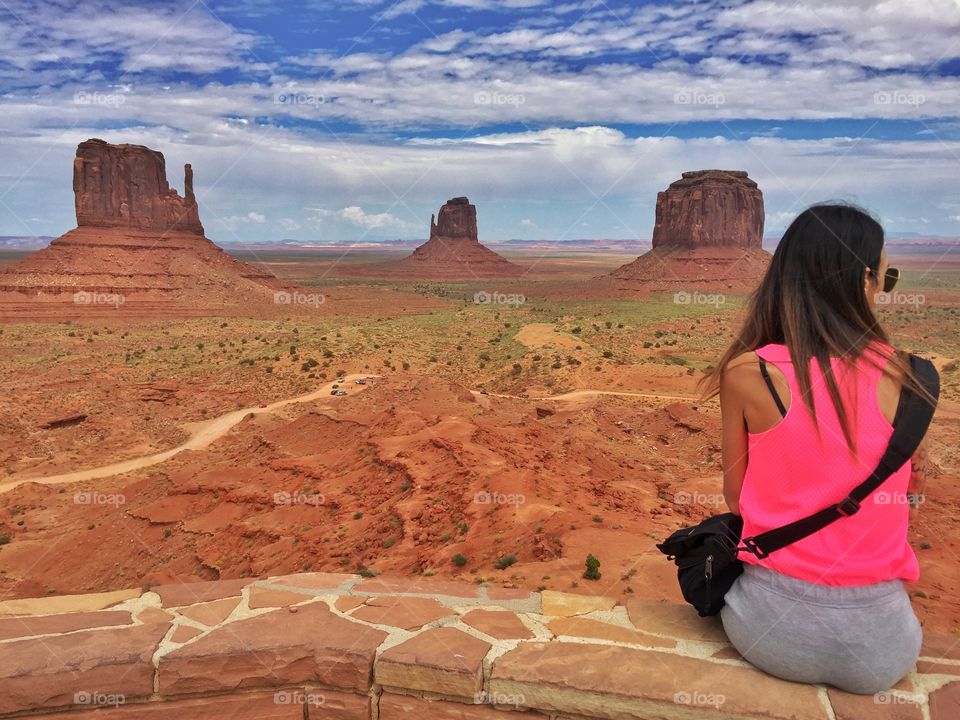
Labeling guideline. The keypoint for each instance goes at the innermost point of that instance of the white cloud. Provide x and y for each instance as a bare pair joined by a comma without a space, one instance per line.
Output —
557,178
232,222
77,37
248,150
372,221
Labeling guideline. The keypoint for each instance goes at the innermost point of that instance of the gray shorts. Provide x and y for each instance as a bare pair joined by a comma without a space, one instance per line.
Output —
860,639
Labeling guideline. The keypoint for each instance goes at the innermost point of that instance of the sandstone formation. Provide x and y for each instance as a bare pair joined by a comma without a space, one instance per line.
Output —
710,208
453,251
707,236
126,186
458,219
138,250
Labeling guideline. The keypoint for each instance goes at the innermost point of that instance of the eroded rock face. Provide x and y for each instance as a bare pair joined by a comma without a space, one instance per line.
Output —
454,250
457,219
708,236
138,248
126,186
710,208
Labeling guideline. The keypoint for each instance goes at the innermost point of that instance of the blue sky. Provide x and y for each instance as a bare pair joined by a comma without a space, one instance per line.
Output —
354,121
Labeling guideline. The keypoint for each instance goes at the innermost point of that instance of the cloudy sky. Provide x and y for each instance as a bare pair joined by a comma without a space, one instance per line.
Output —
341,121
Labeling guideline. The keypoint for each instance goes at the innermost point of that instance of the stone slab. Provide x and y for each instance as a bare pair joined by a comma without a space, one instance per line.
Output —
66,603
605,681
178,594
498,624
440,660
568,604
274,649
55,671
661,617
28,625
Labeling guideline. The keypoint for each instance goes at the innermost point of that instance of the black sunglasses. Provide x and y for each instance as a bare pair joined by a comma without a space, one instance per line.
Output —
890,279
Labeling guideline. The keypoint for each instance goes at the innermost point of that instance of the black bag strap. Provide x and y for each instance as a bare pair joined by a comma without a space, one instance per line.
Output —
773,390
909,429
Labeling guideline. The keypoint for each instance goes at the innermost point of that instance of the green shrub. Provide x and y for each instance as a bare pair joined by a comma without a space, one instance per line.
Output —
593,568
459,560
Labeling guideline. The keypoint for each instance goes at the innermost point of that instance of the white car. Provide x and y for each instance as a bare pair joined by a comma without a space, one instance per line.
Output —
341,392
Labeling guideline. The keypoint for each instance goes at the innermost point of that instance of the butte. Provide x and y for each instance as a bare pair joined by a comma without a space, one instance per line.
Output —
138,250
707,236
453,251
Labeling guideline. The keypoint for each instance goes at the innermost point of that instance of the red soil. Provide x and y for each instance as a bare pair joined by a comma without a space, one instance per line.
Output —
403,478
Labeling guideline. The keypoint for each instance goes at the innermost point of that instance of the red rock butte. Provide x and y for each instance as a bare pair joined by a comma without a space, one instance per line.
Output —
453,251
138,249
708,234
126,186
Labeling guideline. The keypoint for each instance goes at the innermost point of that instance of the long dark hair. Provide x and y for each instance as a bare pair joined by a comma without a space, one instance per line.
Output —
812,300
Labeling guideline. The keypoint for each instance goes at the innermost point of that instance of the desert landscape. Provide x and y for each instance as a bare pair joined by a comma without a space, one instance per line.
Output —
509,424
354,356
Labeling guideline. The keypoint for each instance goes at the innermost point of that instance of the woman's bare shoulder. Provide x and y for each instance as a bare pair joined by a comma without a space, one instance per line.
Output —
744,359
740,370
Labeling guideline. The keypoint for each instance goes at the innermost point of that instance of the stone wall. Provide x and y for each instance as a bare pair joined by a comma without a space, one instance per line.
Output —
320,645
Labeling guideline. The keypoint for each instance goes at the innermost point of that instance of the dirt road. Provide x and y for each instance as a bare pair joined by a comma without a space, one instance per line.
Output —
201,435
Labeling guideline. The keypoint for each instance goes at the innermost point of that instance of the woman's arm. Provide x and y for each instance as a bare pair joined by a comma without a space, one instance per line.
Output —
734,434
918,478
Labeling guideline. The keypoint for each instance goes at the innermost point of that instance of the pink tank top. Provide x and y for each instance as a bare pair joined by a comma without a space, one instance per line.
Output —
791,473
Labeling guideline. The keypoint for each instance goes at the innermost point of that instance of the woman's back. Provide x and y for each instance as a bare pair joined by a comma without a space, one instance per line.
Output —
792,472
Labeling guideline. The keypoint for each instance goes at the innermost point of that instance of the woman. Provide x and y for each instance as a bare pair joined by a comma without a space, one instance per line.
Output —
808,393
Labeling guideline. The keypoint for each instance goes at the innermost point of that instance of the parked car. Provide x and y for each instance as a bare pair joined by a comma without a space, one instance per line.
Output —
341,392
334,386
360,382
333,392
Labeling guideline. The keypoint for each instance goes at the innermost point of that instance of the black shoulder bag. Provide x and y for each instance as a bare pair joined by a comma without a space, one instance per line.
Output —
706,554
